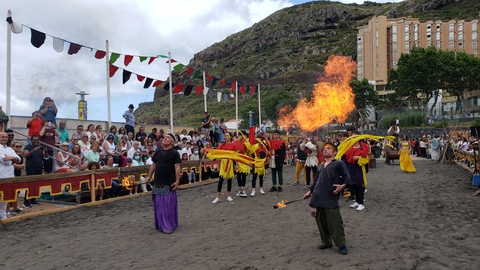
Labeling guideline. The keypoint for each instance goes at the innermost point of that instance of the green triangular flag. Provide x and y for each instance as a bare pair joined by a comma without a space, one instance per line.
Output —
178,67
114,57
143,58
196,74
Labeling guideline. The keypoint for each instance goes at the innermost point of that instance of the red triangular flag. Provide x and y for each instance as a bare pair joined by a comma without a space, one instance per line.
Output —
151,60
252,89
173,61
189,70
127,59
157,83
223,81
100,54
112,70
209,78
140,77
233,86
74,48
178,88
242,89
198,90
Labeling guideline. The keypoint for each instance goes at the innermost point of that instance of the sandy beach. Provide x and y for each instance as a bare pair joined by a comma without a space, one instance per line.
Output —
424,220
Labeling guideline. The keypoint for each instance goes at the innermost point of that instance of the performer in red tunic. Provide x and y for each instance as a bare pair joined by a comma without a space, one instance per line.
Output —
277,150
226,170
358,151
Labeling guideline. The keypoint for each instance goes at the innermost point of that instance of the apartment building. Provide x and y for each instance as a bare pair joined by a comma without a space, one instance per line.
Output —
381,43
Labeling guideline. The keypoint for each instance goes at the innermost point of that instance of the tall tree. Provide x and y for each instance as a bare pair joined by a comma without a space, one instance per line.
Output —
365,99
419,75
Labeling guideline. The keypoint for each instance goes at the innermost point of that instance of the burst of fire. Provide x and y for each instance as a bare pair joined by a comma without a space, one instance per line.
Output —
127,183
332,98
281,204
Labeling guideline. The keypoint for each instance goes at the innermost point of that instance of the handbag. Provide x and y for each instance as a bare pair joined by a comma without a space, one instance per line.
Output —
272,162
160,190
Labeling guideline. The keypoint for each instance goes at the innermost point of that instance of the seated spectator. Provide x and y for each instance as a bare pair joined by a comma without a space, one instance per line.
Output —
90,131
110,148
79,158
92,155
115,184
123,146
84,143
135,148
64,160
141,135
99,133
149,159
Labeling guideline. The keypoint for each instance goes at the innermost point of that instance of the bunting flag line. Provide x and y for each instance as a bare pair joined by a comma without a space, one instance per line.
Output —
37,39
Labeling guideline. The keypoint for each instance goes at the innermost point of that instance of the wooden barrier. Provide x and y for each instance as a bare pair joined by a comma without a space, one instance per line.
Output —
71,183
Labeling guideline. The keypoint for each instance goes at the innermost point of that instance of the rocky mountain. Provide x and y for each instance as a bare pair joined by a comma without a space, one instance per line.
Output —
286,53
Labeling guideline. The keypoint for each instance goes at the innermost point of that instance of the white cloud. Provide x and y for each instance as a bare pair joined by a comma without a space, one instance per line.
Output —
137,27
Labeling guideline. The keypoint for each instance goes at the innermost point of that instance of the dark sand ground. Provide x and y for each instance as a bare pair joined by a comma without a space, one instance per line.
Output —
425,220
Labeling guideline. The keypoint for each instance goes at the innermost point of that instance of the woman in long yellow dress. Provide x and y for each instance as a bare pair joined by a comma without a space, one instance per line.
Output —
406,163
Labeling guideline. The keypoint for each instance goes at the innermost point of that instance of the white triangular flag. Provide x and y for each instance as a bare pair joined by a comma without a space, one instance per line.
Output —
58,44
219,96
17,28
205,90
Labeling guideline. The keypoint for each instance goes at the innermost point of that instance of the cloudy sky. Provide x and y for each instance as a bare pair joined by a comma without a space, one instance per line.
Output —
132,27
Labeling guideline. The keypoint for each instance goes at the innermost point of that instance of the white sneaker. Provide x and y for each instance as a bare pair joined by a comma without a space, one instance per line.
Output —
243,194
238,193
360,207
253,193
355,205
261,191
365,191
216,200
229,199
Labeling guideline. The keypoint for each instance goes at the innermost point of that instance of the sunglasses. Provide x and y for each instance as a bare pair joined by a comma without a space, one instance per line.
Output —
18,146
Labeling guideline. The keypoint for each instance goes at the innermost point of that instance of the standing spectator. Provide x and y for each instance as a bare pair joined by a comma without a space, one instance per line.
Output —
49,110
129,119
19,166
206,123
309,146
49,135
278,151
358,151
33,154
332,177
63,132
300,161
434,147
166,165
35,124
11,137
222,130
8,158
216,130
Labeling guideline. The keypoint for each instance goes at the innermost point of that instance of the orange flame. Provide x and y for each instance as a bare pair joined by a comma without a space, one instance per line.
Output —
281,204
128,182
332,98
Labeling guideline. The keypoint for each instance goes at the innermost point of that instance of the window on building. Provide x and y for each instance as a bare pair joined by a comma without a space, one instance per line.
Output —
394,37
407,45
460,27
394,29
474,26
394,55
407,28
415,36
429,37
451,27
395,64
428,44
460,35
437,36
451,35
407,36
394,46
474,35
439,26
429,27
451,44
474,44
475,53
438,45
415,28
460,44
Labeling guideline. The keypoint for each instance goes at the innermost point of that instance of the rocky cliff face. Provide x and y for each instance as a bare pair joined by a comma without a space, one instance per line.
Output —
290,47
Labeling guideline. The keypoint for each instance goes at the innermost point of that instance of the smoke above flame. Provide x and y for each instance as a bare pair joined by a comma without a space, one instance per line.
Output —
332,98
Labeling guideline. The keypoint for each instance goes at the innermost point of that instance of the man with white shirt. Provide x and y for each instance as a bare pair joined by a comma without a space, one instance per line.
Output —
187,149
7,158
135,148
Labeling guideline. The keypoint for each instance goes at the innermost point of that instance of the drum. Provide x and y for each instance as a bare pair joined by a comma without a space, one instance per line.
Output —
393,154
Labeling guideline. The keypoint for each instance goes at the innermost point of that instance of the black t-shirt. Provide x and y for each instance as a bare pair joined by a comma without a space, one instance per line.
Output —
204,120
140,136
17,172
165,161
36,159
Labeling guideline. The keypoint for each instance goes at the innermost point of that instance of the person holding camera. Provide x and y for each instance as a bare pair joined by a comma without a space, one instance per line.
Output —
48,135
49,110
